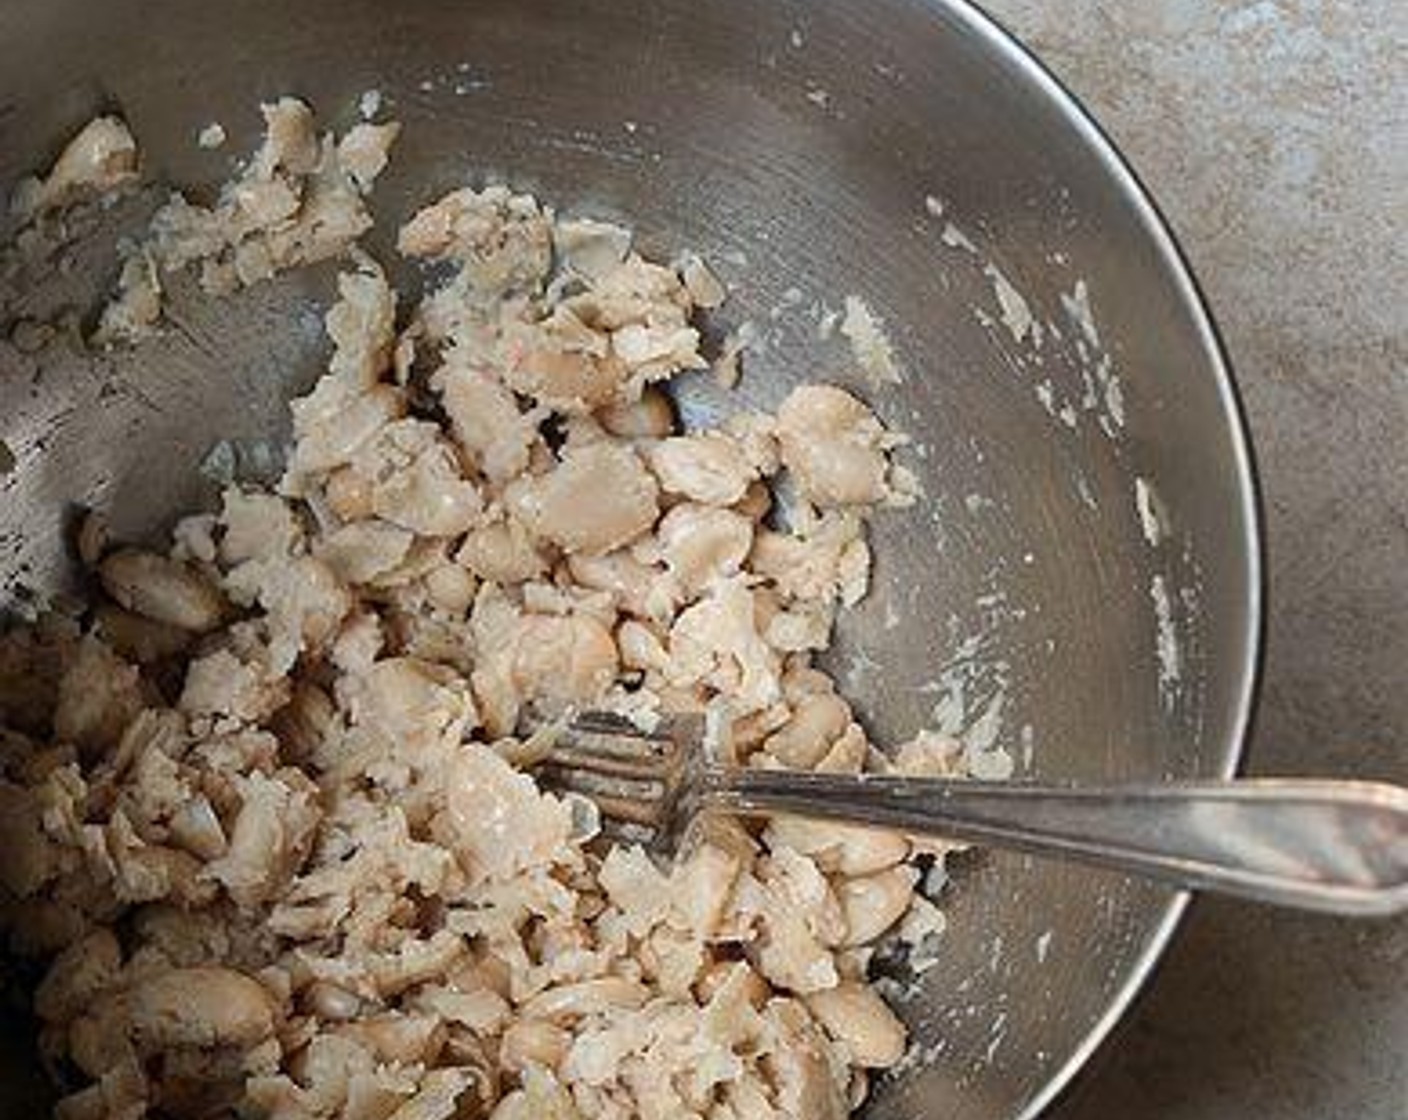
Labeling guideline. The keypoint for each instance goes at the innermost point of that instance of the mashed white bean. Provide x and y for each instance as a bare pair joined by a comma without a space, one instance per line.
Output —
279,755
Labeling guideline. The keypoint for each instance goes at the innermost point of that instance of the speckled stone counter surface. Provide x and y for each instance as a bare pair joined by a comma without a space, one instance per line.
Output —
1275,137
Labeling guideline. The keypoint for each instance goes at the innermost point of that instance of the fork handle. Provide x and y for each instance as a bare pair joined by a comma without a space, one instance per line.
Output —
1335,846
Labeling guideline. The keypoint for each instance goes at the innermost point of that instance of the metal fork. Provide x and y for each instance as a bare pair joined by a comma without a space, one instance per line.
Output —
1336,846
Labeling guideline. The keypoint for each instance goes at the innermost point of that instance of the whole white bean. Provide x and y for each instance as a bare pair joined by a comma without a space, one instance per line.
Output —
205,1006
856,1016
817,721
328,1001
873,903
163,589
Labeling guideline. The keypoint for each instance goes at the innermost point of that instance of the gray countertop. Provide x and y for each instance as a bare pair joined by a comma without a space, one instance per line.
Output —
1275,137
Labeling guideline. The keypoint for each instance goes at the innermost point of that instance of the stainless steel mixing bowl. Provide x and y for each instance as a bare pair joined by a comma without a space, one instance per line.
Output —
794,144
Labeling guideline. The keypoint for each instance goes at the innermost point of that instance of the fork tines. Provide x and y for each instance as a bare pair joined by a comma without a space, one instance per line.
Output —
631,774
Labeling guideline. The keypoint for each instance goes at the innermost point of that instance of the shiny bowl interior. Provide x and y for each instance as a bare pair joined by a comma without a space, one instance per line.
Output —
794,145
